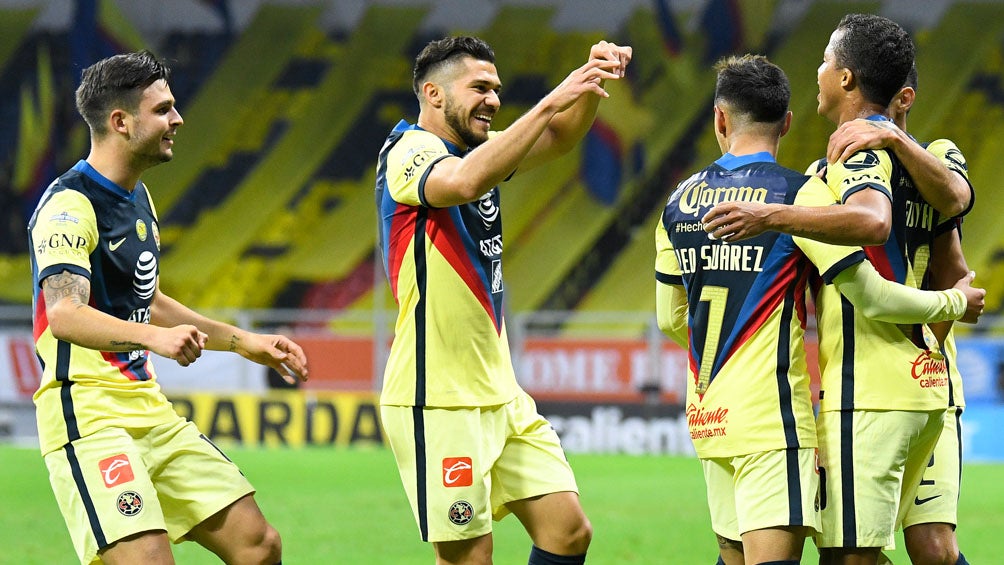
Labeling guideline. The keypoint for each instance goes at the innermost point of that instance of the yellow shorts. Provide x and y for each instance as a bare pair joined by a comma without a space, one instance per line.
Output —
870,461
937,498
461,466
769,489
119,482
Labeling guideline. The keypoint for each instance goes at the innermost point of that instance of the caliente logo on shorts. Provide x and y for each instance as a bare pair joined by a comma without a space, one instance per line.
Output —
129,503
116,470
457,472
461,512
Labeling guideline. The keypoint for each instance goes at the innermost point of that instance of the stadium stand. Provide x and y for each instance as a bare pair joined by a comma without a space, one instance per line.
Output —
269,202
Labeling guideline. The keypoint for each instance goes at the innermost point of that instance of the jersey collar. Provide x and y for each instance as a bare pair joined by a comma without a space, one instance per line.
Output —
90,172
730,161
404,126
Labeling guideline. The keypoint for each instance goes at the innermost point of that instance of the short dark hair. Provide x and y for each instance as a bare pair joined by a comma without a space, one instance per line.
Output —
116,82
878,51
752,85
911,78
441,51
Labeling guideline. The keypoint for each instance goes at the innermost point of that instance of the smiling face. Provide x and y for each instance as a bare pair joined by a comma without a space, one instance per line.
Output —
154,125
829,77
470,100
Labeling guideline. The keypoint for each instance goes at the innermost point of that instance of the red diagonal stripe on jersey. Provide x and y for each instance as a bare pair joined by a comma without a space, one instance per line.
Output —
122,366
879,257
402,233
445,237
41,317
773,296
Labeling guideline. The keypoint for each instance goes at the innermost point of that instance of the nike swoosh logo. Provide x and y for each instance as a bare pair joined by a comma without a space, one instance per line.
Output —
919,501
112,246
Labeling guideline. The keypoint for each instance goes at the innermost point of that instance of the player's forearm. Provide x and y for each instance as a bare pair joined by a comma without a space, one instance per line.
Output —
671,312
943,189
88,327
886,301
167,312
837,224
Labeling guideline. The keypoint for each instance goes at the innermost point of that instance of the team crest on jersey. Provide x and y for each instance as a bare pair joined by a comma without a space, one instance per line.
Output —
129,503
461,512
862,160
141,230
145,282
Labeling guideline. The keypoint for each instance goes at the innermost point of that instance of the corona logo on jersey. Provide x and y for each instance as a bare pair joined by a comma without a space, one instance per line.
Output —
116,470
457,472
930,372
698,196
706,422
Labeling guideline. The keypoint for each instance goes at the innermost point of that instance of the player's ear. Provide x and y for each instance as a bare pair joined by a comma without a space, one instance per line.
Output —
721,121
117,121
433,94
847,79
787,124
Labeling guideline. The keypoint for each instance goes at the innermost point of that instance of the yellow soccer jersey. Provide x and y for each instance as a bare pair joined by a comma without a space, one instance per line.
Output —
873,365
950,156
748,383
445,270
87,225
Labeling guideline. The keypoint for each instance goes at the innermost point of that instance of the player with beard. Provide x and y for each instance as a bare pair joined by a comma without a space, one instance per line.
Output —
469,443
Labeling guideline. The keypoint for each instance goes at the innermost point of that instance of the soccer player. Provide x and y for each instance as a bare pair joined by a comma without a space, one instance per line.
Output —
932,515
128,472
742,310
865,64
468,441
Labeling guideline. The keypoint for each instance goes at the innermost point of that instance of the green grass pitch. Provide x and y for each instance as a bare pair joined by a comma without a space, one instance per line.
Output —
346,506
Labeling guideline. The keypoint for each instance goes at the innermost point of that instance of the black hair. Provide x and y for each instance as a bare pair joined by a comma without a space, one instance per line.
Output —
878,51
442,51
752,85
116,82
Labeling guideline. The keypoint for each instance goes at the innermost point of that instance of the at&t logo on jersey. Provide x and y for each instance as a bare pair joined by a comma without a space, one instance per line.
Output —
145,283
487,209
116,470
458,472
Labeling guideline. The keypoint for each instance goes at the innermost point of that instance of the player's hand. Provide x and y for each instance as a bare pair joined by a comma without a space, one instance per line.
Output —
182,343
857,135
612,52
734,221
278,352
974,298
586,79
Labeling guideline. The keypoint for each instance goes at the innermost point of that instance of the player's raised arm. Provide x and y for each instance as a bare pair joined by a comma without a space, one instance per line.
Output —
532,139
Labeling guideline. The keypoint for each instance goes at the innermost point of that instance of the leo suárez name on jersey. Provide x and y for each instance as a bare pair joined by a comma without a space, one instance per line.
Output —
723,257
696,196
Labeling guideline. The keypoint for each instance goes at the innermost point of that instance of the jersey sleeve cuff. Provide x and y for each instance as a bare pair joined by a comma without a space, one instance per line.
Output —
841,265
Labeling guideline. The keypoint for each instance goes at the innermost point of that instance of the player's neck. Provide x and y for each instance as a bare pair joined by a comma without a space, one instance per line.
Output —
860,109
111,164
750,144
